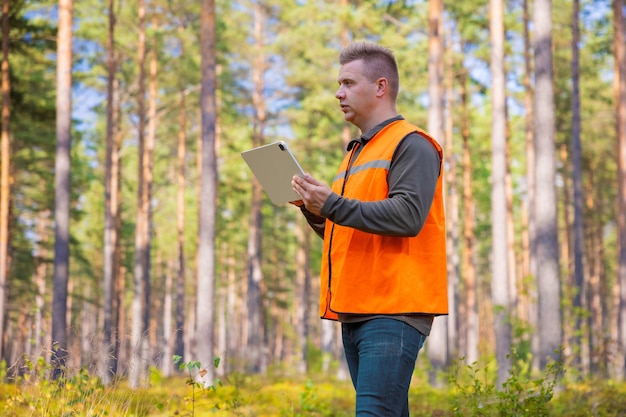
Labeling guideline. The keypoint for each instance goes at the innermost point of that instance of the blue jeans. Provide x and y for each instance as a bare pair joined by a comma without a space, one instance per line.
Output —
381,355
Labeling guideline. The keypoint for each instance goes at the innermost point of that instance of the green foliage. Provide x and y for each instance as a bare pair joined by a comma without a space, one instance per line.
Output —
520,395
32,126
591,398
77,395
195,379
310,404
472,392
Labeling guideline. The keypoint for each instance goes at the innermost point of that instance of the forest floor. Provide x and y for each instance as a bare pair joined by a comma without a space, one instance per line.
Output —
254,396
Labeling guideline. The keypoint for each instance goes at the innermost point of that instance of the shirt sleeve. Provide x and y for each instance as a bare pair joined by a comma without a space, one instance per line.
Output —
317,223
412,180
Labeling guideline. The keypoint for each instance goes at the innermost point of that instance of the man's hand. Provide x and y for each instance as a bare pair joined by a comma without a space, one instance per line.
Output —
312,192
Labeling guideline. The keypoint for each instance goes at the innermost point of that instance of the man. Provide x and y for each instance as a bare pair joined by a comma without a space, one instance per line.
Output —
383,272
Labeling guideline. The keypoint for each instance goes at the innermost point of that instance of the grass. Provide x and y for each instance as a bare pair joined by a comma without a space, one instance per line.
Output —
248,396
470,392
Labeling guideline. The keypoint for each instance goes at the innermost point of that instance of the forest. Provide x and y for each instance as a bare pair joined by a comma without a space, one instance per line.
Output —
134,238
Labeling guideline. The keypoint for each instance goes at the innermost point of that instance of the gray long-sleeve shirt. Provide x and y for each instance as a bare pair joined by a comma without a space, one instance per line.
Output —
412,180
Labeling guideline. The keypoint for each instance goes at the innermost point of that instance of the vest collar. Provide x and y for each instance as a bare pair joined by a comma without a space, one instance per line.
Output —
367,136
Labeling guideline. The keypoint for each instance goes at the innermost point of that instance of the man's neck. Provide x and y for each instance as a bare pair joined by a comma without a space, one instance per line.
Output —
384,111
381,117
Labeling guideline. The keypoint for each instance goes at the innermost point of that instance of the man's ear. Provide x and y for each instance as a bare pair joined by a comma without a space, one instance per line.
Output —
382,86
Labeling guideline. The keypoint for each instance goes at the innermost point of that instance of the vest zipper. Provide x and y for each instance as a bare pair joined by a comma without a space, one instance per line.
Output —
332,229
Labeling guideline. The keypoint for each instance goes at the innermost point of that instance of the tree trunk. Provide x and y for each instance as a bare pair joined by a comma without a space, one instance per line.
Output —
148,166
579,237
88,317
437,346
510,224
499,276
619,42
256,361
590,226
155,342
62,188
4,175
528,305
302,294
452,215
221,342
233,312
594,296
179,347
166,362
469,238
141,227
547,242
110,213
39,279
116,198
565,252
346,131
208,194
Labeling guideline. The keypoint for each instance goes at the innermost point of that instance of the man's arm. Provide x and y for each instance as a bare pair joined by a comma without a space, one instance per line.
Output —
412,179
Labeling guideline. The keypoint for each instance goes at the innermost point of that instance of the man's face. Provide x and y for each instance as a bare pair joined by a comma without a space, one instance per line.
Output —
356,94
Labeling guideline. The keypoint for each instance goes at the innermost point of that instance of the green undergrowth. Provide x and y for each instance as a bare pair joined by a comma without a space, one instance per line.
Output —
470,391
235,395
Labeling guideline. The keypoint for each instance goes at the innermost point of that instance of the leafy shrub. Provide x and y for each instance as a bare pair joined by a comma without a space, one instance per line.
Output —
520,395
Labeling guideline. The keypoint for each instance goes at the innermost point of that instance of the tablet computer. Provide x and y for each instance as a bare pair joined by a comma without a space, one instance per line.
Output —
274,165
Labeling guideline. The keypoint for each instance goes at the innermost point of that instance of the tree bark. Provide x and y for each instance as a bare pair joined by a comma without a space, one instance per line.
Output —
148,176
179,347
208,194
302,294
40,281
256,360
579,237
528,305
547,242
88,317
116,197
452,213
4,174
500,274
437,344
233,312
469,238
619,42
565,251
166,361
593,293
62,189
106,370
510,223
141,227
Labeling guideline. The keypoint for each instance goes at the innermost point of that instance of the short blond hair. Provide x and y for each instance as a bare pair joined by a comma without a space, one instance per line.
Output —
379,62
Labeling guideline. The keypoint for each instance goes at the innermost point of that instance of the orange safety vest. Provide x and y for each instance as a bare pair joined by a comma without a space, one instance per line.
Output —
365,273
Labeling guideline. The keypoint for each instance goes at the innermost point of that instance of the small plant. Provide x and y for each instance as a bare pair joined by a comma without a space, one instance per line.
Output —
309,405
473,398
194,369
520,395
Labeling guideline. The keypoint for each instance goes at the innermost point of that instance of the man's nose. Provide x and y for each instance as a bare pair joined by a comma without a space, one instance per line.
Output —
339,94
